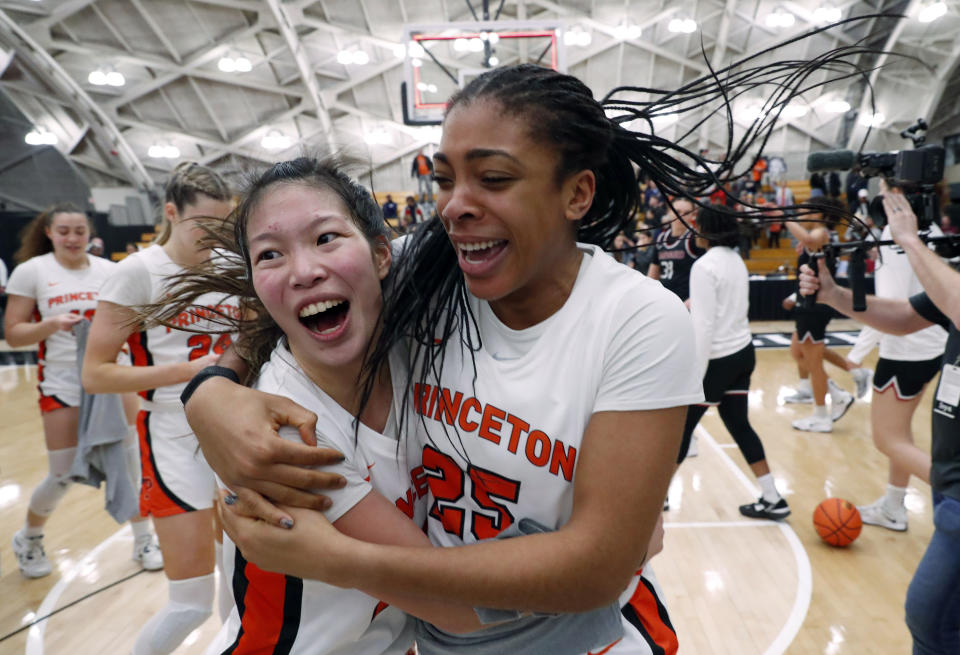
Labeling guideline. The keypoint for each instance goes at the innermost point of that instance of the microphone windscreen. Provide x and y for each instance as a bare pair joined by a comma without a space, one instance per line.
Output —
831,160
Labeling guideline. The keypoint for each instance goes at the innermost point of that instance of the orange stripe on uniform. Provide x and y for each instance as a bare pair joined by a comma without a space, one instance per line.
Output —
155,498
140,356
601,652
649,616
269,605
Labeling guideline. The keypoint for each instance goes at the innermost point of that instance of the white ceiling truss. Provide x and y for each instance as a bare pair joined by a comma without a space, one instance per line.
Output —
168,51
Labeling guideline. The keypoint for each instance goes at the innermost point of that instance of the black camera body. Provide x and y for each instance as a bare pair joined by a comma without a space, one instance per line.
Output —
915,171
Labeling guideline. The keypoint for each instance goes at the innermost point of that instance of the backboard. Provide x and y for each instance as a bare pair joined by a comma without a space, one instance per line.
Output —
440,59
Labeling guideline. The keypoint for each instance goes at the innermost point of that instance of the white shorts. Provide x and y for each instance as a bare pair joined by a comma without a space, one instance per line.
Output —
59,386
647,628
175,476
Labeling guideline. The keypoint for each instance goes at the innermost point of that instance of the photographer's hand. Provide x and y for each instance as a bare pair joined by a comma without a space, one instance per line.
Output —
941,282
818,282
902,220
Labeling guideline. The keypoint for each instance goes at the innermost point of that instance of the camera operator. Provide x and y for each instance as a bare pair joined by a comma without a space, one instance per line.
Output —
933,598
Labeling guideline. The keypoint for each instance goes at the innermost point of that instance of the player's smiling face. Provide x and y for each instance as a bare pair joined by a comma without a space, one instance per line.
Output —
316,274
511,222
69,233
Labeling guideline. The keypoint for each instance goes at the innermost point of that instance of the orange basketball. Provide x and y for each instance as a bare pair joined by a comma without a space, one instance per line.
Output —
837,522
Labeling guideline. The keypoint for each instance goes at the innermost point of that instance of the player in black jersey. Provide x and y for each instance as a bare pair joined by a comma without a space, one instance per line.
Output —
676,250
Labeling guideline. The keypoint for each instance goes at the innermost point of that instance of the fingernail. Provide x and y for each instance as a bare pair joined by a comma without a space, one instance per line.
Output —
230,499
326,504
342,482
286,523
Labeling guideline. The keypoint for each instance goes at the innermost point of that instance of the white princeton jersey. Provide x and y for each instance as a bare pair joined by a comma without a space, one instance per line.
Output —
142,278
503,445
59,290
894,278
276,613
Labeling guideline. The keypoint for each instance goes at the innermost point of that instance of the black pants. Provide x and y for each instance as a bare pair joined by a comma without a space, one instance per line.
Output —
725,386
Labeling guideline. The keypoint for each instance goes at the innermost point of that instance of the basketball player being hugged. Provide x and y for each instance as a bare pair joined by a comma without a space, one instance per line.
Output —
178,486
54,288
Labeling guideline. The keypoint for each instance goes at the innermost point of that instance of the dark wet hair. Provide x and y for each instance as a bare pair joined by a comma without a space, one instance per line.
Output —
230,272
33,237
718,226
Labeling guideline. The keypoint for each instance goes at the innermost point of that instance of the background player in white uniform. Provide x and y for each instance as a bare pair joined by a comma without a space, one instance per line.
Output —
719,304
907,363
574,410
55,286
315,252
177,485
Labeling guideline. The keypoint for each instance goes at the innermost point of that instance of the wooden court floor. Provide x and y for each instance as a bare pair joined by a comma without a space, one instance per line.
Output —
733,585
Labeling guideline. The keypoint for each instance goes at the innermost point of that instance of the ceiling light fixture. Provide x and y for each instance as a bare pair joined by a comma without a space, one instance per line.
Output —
577,36
932,12
827,14
837,106
275,140
162,151
872,120
106,77
780,18
682,25
39,136
627,31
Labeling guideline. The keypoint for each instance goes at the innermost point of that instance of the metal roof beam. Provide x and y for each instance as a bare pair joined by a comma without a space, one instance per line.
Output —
285,22
107,136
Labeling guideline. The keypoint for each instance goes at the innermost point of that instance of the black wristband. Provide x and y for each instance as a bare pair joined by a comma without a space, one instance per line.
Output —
205,374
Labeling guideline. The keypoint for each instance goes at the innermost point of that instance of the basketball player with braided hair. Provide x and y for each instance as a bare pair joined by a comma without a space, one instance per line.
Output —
546,381
177,485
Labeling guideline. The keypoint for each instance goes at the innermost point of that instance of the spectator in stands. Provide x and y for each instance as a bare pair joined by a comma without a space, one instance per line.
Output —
95,247
645,253
650,191
422,169
947,225
833,184
389,208
131,248
412,214
783,196
818,187
854,184
862,205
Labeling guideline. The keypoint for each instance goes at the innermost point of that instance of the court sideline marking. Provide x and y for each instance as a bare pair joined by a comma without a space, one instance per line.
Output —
36,633
801,600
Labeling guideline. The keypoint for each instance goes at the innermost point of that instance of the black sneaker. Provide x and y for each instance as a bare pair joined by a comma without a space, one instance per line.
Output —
763,509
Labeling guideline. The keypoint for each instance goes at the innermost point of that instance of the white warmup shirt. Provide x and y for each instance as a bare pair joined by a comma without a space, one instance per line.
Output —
894,278
280,613
59,290
505,446
719,304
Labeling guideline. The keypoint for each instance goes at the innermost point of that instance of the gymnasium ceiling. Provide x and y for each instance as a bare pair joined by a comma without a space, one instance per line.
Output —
175,94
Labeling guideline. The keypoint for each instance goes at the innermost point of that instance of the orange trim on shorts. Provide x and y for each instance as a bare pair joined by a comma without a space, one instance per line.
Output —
269,605
51,404
155,498
654,623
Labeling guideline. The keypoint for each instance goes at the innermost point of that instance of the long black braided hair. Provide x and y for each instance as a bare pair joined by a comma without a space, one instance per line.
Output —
426,304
